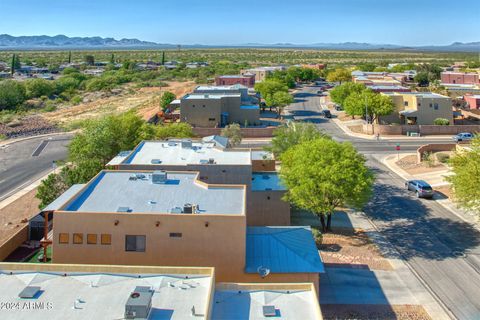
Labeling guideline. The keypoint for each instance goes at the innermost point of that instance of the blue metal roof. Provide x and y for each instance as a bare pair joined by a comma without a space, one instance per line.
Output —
282,250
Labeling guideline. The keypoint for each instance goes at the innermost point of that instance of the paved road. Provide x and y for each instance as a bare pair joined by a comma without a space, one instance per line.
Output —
25,161
439,246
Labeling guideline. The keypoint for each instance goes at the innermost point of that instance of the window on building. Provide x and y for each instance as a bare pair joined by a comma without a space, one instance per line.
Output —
435,106
175,234
91,238
431,105
405,103
63,238
106,239
203,106
211,119
419,104
135,243
78,238
193,106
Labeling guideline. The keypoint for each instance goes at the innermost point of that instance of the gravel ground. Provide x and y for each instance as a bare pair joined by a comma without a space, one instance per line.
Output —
352,249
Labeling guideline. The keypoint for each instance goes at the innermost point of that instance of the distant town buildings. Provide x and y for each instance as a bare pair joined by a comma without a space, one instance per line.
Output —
247,80
472,100
449,77
261,73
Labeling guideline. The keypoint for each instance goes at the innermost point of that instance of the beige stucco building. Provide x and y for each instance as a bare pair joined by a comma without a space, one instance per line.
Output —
418,108
218,164
154,218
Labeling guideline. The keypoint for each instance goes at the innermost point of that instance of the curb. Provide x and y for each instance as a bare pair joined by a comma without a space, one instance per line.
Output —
12,141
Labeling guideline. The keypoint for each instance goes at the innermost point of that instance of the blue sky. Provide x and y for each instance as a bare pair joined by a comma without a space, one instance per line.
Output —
405,22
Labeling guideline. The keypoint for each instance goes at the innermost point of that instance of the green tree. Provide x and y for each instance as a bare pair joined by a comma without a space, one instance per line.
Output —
163,58
51,188
233,133
174,130
39,87
291,134
268,88
12,94
341,92
322,175
422,78
466,178
112,59
367,67
90,60
368,104
69,57
280,100
166,98
339,75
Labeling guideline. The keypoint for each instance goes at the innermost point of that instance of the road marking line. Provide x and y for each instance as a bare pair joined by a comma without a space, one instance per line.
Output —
40,148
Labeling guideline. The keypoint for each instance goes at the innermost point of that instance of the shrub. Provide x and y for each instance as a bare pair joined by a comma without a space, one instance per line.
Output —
428,159
317,236
76,100
12,94
443,157
441,122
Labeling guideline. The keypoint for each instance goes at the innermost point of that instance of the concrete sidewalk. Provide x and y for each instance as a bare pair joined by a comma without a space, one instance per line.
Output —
364,286
344,126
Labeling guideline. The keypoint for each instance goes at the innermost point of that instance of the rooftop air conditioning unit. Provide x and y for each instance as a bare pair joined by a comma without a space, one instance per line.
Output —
156,161
186,144
187,208
269,311
139,303
159,177
211,161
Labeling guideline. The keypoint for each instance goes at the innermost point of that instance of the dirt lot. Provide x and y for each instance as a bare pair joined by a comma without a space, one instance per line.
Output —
369,311
15,215
409,164
348,248
145,100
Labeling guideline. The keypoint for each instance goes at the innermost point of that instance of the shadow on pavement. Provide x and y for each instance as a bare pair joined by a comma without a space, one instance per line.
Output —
409,224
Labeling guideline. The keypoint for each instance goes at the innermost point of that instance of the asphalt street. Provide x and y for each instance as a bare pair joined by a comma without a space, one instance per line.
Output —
23,162
441,248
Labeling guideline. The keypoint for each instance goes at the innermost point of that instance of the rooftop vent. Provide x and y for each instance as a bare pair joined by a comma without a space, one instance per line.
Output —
139,303
29,292
211,161
133,177
124,209
187,144
156,161
176,210
171,144
159,177
203,161
140,176
269,311
206,96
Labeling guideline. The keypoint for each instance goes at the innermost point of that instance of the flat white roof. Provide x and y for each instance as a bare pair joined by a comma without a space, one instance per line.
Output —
172,153
135,192
248,304
101,295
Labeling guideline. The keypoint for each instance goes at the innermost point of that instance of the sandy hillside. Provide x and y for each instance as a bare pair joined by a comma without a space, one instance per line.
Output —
145,100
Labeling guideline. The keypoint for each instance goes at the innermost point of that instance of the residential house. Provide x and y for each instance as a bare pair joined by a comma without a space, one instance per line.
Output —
472,100
54,291
155,218
261,73
472,78
210,106
217,164
247,80
418,108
